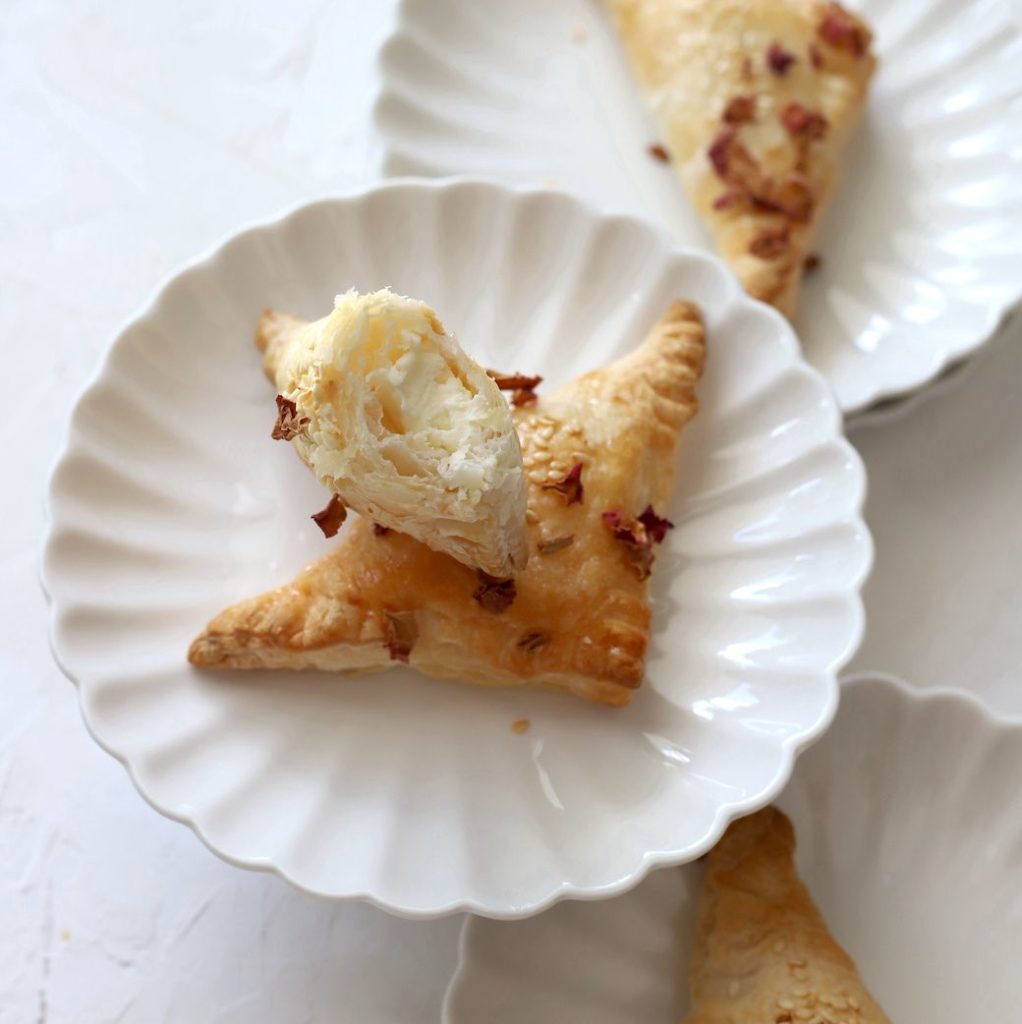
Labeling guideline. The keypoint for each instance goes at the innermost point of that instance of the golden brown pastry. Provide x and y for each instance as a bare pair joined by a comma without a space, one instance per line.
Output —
394,417
762,952
599,456
756,100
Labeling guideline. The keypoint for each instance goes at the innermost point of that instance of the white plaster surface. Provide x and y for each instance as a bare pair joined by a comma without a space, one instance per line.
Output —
134,136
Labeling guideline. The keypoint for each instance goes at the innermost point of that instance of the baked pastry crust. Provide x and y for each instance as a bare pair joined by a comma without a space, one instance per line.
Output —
762,951
396,419
756,100
580,618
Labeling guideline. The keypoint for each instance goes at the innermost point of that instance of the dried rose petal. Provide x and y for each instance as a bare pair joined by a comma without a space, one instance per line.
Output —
779,59
289,423
402,632
799,120
720,151
740,110
514,381
769,243
495,595
844,32
815,56
551,547
380,531
569,487
533,641
523,396
658,152
746,69
521,386
656,526
331,518
638,536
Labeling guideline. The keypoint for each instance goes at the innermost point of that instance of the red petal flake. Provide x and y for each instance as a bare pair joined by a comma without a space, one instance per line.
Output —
638,536
380,531
740,110
522,387
495,595
569,487
802,122
843,31
656,526
720,151
331,518
289,423
778,59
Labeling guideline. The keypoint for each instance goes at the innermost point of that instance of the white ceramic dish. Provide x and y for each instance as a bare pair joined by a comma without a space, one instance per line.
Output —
909,822
920,248
170,502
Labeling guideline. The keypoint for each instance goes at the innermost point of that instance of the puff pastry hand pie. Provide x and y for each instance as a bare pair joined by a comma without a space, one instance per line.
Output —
762,952
599,455
756,100
392,416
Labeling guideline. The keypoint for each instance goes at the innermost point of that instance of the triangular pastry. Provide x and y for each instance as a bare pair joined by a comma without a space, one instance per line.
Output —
756,100
599,456
394,417
762,951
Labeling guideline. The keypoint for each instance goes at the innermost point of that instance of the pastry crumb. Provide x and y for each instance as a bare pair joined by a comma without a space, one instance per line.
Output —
65,936
579,34
813,262
520,726
659,152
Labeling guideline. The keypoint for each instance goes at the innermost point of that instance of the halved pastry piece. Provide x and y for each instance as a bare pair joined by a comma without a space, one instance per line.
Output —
394,418
756,100
762,952
599,455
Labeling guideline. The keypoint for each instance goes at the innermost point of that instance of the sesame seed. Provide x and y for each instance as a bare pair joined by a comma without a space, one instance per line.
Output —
542,457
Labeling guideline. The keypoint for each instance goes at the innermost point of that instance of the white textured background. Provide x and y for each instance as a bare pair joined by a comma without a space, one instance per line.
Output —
134,136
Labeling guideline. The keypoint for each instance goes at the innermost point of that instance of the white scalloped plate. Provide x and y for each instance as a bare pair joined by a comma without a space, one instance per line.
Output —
921,249
909,822
171,501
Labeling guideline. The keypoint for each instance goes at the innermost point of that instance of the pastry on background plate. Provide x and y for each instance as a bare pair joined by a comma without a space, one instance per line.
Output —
762,951
599,456
756,100
401,425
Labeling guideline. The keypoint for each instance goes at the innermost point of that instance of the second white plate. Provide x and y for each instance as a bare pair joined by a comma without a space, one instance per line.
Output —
921,247
909,823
